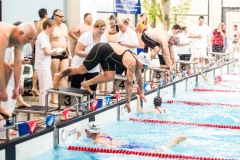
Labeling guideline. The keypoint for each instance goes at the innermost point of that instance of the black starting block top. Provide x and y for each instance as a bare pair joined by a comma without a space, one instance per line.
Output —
70,91
186,62
6,117
34,109
158,69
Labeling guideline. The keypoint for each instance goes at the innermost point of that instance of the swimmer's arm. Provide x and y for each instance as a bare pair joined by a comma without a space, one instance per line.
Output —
73,32
175,141
17,66
139,108
79,50
165,54
130,76
204,77
102,143
172,54
3,46
139,80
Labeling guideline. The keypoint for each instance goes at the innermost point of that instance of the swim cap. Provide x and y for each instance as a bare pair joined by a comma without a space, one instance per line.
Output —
144,58
175,39
157,101
93,127
219,78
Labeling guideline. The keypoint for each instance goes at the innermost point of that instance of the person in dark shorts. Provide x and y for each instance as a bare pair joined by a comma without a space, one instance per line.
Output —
109,55
158,39
93,131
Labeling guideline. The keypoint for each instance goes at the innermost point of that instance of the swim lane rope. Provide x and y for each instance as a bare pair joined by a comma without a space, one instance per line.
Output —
203,103
185,123
140,153
214,90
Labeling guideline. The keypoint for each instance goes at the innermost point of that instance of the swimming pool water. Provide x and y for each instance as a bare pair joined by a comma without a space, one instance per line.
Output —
201,141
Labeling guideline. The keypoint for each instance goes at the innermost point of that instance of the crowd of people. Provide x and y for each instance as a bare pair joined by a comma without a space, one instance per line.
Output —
102,49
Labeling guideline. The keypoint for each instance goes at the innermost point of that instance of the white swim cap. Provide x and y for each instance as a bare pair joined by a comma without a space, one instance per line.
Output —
93,127
144,58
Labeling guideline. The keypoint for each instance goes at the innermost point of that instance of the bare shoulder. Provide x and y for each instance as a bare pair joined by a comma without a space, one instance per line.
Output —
6,27
63,25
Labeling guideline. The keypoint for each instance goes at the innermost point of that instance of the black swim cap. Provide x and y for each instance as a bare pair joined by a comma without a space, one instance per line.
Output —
157,101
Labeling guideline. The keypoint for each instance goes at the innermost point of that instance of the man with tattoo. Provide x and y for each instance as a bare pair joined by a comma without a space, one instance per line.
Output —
159,39
109,55
17,37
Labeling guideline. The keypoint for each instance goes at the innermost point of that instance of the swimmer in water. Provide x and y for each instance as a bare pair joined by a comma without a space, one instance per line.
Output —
93,132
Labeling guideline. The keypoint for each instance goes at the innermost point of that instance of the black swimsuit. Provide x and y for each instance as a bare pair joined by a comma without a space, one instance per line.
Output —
149,42
61,57
104,54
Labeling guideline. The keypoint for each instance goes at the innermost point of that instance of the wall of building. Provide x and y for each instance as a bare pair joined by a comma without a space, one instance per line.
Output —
27,10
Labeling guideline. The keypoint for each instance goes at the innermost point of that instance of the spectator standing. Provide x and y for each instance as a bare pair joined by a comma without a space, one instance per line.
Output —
43,60
201,41
59,39
218,38
78,30
85,43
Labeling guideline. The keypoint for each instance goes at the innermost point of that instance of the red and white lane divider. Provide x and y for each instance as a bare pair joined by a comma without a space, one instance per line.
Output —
203,103
185,123
214,90
141,153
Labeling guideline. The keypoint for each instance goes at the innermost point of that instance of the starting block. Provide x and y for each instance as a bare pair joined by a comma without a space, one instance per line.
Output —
219,55
186,65
70,97
9,125
210,60
156,74
121,80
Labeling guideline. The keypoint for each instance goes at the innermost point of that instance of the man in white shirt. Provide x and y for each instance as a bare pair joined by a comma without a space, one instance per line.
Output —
126,37
200,34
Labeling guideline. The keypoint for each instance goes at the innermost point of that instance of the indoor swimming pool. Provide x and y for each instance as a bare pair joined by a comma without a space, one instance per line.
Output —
210,142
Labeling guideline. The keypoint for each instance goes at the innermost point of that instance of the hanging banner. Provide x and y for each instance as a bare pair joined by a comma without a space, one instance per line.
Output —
128,6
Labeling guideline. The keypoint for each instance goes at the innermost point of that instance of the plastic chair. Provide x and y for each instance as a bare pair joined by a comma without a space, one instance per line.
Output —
29,69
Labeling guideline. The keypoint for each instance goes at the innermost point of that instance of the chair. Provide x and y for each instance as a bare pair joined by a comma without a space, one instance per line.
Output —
27,72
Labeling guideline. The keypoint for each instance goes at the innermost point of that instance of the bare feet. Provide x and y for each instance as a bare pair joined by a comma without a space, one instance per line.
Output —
12,132
86,86
23,103
54,101
35,92
5,112
56,80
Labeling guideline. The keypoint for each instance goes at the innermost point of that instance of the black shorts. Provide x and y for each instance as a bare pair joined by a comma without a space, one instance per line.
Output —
104,54
184,57
161,60
217,48
149,42
63,56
